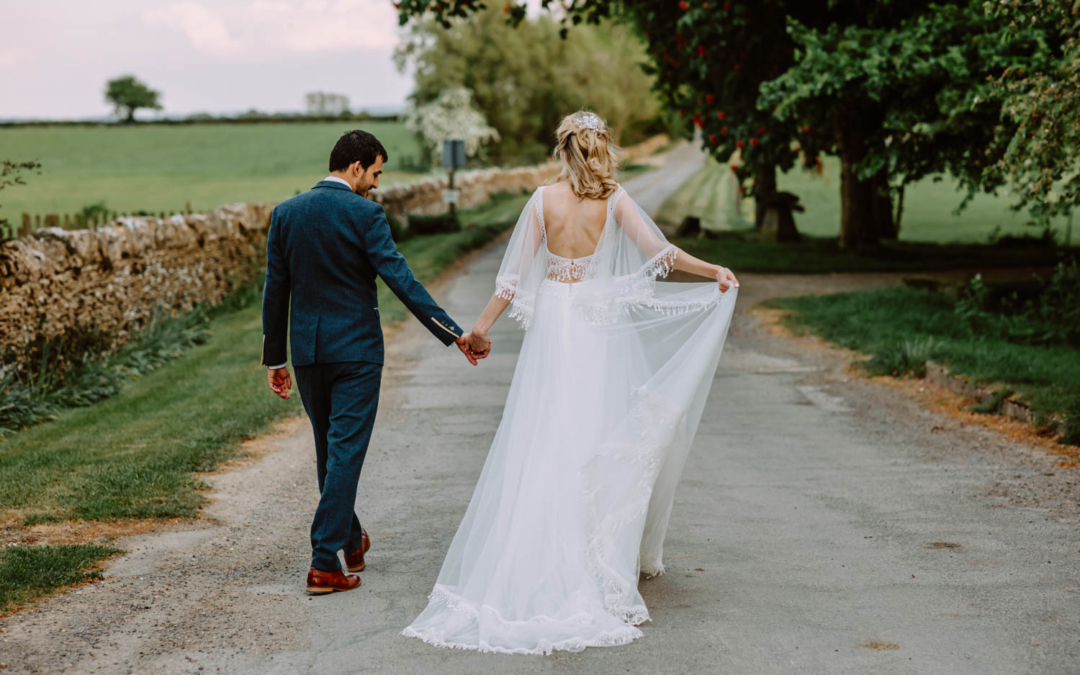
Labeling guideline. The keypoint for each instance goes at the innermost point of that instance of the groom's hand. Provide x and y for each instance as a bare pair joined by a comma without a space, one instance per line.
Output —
463,345
280,381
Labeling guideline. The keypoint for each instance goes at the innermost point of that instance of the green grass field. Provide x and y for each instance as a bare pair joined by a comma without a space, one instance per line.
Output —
162,168
899,328
928,207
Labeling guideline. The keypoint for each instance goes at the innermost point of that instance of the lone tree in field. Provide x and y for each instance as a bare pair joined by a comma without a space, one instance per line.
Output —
896,90
127,95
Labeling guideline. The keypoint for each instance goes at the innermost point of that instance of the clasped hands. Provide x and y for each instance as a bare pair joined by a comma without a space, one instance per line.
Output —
474,346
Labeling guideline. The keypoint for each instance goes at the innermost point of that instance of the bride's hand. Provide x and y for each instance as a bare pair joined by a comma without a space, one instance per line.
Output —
726,279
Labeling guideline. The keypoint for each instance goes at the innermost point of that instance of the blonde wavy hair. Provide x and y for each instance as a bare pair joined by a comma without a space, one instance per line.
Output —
587,154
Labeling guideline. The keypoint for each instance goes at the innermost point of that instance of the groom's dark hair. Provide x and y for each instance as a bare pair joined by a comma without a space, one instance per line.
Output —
356,146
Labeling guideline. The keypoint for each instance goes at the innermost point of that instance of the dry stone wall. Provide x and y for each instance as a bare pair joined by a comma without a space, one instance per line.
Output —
115,276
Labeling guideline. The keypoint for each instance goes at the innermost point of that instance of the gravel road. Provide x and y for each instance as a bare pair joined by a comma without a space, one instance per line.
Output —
825,524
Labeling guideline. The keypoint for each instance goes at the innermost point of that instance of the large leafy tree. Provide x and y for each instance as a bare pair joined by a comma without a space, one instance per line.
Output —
882,84
524,80
127,95
899,99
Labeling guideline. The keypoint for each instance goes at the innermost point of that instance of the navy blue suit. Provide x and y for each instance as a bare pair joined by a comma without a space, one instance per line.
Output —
324,251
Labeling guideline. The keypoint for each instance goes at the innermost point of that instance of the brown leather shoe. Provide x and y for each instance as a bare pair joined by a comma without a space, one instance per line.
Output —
319,582
355,560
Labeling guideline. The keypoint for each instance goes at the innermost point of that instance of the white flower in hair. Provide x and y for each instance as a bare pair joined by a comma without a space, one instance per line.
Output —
588,120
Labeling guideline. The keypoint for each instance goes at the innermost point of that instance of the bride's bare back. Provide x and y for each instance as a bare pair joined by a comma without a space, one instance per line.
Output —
573,224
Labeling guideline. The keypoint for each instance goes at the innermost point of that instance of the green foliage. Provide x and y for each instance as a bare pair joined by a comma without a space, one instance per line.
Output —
919,90
127,95
524,81
1041,102
437,224
1049,314
908,359
163,168
11,173
79,367
30,572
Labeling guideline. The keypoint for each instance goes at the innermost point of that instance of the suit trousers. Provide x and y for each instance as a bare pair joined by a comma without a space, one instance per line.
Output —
341,400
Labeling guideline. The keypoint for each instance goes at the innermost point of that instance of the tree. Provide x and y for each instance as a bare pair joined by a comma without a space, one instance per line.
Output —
525,80
127,94
451,116
1042,103
900,100
322,104
778,77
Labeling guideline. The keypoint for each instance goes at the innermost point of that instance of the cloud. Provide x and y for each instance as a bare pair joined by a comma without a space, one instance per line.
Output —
204,27
7,59
261,27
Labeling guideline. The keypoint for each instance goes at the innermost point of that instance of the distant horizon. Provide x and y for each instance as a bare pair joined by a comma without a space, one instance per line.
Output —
166,115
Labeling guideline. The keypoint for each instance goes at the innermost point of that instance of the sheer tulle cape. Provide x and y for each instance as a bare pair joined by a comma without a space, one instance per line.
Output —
575,496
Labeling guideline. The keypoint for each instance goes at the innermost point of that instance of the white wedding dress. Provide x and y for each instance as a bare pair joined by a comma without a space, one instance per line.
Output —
574,499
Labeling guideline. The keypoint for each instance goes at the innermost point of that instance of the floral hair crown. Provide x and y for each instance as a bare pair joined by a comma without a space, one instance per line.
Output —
588,120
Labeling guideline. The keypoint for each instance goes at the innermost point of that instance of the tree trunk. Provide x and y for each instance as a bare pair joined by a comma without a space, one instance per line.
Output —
883,206
764,189
859,228
131,116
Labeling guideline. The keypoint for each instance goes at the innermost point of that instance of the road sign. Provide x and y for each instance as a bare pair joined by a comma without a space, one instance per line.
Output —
451,196
453,154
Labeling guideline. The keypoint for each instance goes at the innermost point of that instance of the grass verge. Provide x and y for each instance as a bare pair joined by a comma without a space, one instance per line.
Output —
745,252
31,572
899,328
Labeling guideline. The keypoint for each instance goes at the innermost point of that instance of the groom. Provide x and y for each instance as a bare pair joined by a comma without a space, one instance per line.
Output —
324,250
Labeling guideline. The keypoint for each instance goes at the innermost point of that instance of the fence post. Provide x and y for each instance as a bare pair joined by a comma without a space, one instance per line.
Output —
52,220
37,221
67,221
25,230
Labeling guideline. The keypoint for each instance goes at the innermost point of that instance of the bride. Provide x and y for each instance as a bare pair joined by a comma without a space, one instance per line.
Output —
574,499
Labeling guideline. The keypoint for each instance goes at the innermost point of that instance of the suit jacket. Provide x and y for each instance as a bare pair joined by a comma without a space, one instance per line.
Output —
324,250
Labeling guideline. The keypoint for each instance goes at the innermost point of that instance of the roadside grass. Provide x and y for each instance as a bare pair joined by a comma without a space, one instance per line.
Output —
31,572
743,251
162,168
136,455
928,215
899,328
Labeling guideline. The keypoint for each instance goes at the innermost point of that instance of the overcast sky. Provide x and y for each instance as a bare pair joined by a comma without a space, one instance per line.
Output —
202,55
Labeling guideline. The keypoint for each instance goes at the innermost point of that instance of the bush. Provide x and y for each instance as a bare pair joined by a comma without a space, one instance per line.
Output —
397,230
1049,314
444,223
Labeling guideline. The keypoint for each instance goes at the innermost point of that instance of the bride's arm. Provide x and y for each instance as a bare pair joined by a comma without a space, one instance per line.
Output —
477,337
652,244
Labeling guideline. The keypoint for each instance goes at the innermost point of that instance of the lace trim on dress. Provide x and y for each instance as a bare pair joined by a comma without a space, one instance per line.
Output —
568,270
656,423
442,596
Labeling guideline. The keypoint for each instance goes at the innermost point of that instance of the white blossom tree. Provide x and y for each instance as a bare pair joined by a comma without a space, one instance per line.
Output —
451,116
